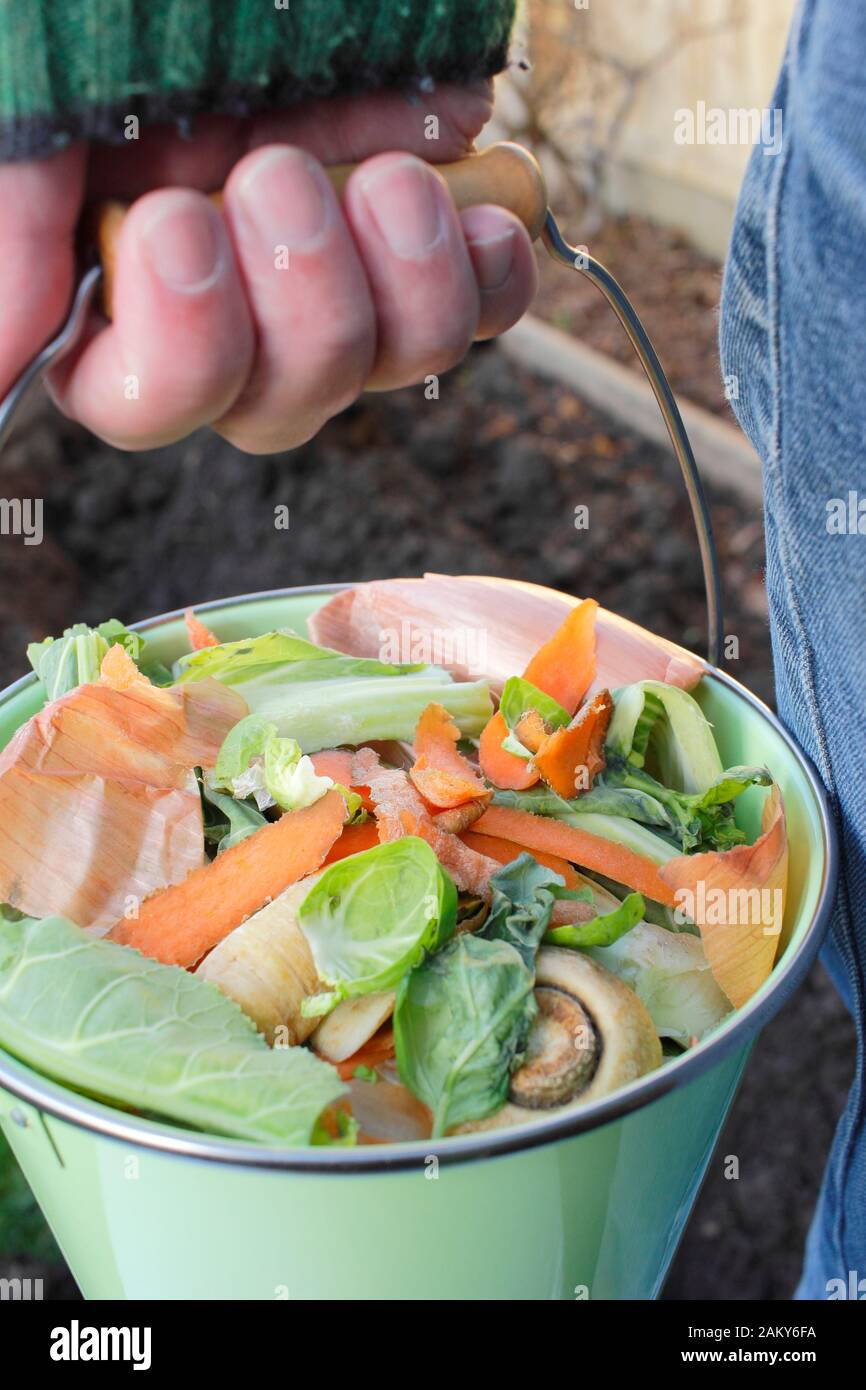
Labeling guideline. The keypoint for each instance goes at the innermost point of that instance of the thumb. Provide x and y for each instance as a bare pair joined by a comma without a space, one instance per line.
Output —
40,201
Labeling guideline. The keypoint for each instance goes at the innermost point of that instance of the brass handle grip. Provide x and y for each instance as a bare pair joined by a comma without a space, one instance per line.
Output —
505,174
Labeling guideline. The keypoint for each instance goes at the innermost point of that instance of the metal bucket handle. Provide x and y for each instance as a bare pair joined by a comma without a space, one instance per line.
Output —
625,311
505,174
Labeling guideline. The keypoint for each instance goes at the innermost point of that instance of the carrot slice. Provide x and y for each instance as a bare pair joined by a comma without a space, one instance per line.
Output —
579,847
576,750
442,775
565,666
182,923
199,635
506,850
500,767
336,763
353,840
737,898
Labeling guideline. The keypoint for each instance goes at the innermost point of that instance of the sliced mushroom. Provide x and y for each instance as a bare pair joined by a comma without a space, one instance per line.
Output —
562,1055
592,1035
352,1023
267,967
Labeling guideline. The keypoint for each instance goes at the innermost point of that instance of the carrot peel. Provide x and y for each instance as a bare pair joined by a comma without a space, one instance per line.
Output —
378,1049
574,753
400,810
199,635
455,819
564,669
578,847
501,767
504,851
532,731
441,774
182,923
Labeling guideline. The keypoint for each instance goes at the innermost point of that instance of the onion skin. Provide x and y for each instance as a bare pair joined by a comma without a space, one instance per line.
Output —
741,953
515,617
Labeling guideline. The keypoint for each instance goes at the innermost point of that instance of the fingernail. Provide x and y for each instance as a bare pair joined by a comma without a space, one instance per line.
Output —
492,259
404,201
287,198
184,242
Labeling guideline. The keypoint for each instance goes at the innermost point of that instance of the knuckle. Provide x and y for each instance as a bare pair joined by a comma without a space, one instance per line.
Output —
275,435
346,356
447,347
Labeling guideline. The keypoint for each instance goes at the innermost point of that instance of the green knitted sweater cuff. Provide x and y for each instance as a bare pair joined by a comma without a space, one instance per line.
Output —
72,69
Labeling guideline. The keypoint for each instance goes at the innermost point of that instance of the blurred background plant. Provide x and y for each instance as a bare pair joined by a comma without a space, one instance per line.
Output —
485,479
22,1228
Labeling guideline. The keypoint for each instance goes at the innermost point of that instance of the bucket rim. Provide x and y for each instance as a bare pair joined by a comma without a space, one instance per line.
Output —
53,1099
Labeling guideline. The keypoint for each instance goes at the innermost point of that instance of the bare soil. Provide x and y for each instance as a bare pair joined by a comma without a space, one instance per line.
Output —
674,288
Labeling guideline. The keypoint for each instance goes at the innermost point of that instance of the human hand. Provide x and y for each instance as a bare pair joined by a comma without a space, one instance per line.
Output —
381,290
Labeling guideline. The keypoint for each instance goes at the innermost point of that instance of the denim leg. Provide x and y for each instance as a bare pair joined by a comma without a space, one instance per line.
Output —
793,336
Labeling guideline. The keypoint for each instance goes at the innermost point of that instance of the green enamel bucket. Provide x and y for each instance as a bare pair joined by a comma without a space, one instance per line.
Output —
587,1206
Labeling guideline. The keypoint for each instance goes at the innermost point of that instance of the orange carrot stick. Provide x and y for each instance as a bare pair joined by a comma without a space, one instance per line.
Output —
442,775
506,850
182,923
579,847
199,635
570,758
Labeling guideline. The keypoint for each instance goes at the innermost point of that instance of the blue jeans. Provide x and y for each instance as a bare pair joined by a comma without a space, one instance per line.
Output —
793,346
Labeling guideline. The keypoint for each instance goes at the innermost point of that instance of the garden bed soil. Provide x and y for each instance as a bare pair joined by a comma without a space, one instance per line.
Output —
674,288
